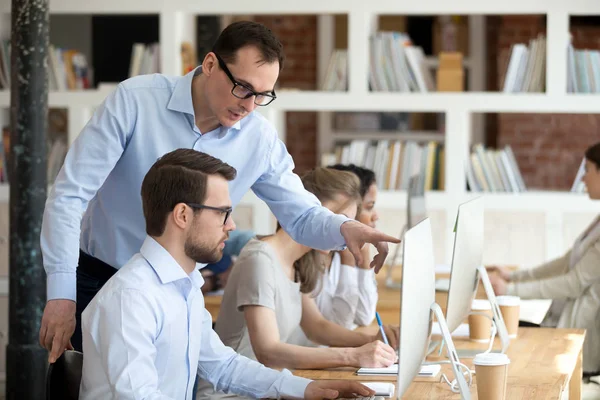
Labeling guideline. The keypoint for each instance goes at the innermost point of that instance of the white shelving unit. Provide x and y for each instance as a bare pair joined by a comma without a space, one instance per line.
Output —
177,15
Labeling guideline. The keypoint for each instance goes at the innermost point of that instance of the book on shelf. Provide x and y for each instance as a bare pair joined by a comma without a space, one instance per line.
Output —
68,69
4,64
526,69
395,65
145,59
490,170
336,76
394,162
56,150
583,70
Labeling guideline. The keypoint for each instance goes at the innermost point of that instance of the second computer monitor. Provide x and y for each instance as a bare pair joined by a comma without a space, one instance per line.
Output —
467,256
418,294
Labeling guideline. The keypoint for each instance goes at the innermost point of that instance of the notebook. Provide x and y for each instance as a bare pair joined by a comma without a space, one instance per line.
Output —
426,370
385,389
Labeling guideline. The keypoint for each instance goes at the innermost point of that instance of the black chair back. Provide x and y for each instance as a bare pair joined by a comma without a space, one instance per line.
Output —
64,377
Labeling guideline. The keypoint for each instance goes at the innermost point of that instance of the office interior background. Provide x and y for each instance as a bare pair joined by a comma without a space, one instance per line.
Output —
480,98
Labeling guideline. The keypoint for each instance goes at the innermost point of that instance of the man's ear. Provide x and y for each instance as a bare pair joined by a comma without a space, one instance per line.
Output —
181,215
209,64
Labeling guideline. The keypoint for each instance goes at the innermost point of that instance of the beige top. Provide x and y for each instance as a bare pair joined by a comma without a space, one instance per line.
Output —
573,281
257,278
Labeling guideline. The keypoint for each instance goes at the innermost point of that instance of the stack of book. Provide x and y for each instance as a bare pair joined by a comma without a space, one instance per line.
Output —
491,170
526,71
394,162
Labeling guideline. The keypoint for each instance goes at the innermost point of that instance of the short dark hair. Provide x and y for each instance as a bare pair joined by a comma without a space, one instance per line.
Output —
178,177
593,154
248,33
366,176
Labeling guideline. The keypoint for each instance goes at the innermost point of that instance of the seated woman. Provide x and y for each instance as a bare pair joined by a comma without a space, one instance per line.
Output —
348,291
572,281
268,296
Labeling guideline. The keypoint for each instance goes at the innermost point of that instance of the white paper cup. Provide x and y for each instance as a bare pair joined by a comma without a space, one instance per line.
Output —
491,370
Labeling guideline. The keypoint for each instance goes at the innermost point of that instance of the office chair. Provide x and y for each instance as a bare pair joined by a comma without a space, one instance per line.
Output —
64,376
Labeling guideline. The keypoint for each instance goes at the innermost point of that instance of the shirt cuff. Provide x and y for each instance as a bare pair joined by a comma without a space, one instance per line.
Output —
294,387
336,231
62,285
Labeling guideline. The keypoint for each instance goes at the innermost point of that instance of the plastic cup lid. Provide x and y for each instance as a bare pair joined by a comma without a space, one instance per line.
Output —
491,359
480,304
508,300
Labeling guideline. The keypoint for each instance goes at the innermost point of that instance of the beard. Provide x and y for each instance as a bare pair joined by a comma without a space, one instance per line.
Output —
202,254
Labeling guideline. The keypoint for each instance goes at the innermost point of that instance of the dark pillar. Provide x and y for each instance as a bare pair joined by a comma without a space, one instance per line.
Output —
26,360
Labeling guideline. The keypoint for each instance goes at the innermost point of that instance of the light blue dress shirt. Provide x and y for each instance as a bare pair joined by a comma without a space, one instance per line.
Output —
147,333
144,118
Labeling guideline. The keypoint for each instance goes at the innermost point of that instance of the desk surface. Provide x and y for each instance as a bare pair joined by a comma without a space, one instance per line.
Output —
542,362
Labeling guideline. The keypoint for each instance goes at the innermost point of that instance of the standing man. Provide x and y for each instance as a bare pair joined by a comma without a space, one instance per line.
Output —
93,220
146,334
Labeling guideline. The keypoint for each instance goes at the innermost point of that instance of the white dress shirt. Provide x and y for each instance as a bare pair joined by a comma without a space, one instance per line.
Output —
146,334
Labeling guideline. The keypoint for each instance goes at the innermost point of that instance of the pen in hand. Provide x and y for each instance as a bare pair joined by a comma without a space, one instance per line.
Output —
385,339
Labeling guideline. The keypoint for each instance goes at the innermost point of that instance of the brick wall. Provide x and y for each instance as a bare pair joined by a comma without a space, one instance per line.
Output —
548,147
299,37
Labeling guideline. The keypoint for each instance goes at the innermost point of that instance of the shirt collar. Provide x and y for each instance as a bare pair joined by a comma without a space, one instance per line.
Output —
165,266
181,98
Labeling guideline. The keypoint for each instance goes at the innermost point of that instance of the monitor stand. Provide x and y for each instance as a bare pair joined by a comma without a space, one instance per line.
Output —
463,387
497,318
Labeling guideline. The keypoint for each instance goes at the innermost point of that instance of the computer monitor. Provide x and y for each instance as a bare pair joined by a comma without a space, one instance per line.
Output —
467,269
466,257
418,308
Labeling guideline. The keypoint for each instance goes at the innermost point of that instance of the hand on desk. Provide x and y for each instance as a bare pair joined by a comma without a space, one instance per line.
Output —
331,389
374,355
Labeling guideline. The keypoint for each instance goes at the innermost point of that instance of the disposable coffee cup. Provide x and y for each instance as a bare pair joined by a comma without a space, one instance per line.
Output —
510,307
491,371
480,326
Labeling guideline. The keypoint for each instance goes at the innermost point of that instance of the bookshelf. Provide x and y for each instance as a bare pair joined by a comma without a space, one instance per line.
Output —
177,16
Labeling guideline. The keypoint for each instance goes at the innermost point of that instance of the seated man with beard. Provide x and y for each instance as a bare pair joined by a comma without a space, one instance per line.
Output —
146,334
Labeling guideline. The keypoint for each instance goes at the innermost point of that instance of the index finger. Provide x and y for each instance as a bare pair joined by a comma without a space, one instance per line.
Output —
58,346
378,236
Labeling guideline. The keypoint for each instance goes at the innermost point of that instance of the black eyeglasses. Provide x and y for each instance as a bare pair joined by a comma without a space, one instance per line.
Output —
226,211
242,91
